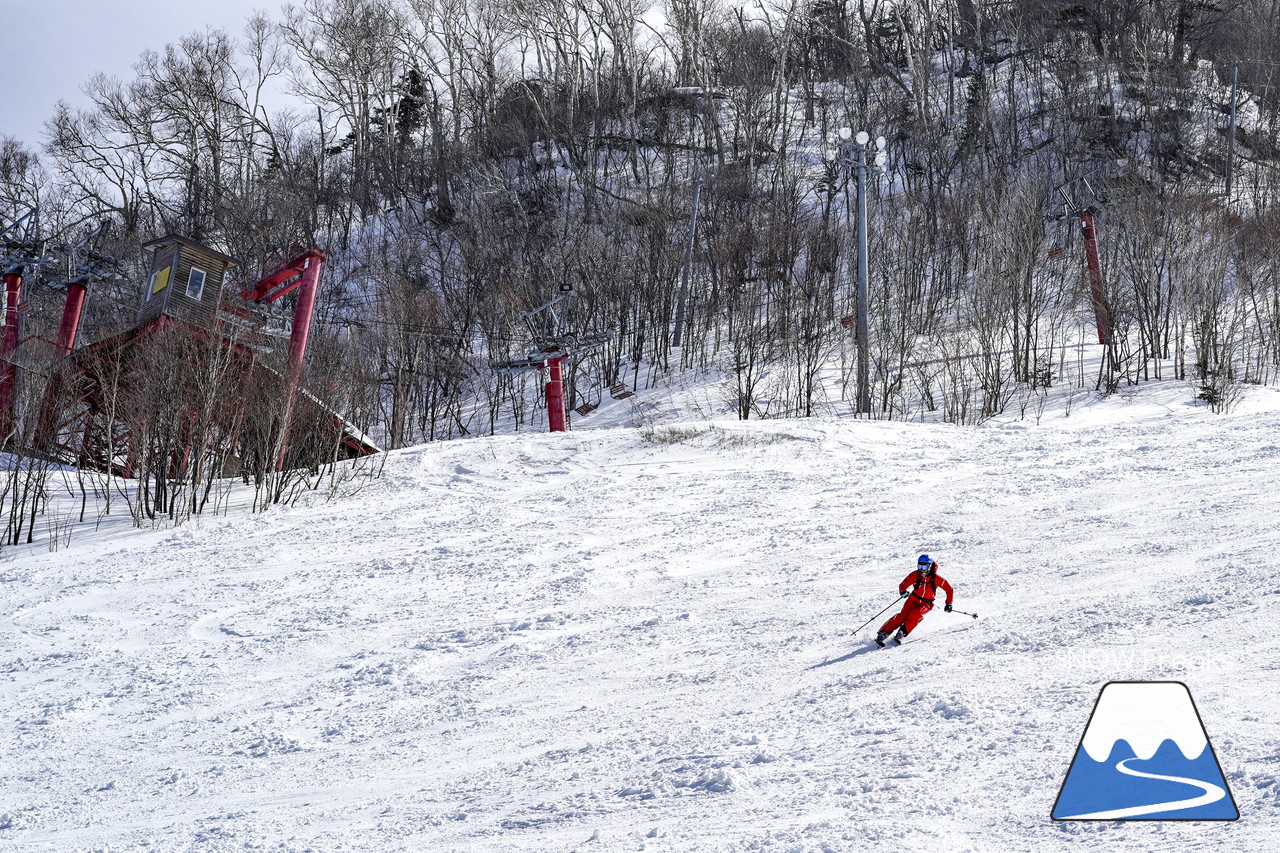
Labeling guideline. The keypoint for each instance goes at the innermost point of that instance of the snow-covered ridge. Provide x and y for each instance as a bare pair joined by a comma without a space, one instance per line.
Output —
1145,715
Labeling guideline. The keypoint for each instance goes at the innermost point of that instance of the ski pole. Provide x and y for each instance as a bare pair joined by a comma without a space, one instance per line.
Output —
877,616
964,613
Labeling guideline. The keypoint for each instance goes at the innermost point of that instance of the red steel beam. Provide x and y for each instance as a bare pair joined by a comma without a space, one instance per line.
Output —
284,279
555,395
46,426
302,274
70,320
1097,289
311,261
8,345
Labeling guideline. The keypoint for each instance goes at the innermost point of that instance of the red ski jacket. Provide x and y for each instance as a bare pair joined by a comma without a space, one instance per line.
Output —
926,587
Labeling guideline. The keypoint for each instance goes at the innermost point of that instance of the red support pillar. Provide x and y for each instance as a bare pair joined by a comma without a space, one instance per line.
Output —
298,346
8,345
70,320
66,343
306,306
555,395
1097,288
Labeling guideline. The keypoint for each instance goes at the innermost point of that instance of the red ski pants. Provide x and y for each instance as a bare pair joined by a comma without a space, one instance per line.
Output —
912,612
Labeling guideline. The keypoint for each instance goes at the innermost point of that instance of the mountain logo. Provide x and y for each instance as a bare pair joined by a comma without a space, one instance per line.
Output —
1145,755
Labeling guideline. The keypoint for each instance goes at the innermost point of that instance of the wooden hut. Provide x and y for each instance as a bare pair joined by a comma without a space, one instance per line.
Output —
185,281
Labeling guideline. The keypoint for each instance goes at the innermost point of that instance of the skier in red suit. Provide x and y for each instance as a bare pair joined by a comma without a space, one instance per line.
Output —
919,589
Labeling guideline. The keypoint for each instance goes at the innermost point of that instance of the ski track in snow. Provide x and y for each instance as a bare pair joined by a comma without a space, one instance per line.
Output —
1211,794
590,642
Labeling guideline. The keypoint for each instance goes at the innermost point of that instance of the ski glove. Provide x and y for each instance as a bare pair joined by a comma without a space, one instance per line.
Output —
905,594
947,609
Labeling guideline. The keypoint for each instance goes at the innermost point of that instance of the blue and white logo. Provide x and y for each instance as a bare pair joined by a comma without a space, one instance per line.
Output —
1145,756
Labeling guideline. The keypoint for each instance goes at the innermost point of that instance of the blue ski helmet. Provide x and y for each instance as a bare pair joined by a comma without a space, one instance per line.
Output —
924,560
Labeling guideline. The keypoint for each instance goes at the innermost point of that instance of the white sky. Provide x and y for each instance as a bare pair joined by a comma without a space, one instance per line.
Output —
51,47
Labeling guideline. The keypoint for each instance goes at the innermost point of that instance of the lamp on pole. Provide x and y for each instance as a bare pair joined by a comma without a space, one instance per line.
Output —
849,151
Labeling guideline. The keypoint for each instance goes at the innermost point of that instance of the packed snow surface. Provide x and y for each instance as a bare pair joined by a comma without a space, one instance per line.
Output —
623,640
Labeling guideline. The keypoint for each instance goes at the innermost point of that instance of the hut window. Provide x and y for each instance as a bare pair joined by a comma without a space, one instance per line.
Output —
195,283
160,280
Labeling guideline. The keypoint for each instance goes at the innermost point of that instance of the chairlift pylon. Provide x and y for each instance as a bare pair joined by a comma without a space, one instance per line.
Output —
549,349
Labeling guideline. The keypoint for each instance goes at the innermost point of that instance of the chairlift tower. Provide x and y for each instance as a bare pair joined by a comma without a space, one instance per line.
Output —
85,265
550,349
20,249
1085,213
301,273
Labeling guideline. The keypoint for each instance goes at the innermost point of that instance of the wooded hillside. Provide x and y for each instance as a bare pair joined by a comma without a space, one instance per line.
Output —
460,160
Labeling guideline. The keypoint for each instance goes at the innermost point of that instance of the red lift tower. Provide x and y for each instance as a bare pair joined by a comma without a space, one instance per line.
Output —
1085,213
302,273
20,249
550,350
85,266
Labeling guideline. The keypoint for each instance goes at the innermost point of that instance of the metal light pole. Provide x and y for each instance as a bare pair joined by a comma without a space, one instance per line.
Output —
864,327
852,154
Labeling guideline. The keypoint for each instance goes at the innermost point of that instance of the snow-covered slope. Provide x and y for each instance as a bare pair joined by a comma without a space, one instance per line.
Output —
623,640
